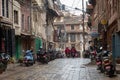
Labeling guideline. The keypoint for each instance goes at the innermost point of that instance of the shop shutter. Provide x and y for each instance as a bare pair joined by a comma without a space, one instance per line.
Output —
12,42
7,48
117,45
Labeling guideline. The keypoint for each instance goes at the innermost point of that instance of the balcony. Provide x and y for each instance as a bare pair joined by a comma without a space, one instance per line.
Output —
39,5
77,31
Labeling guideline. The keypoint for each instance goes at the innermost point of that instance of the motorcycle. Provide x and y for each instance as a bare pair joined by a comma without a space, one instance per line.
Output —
99,60
59,54
93,55
73,54
28,58
109,69
99,63
42,57
4,59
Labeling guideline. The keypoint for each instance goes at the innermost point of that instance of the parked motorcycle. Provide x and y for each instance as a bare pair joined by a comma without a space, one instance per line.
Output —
28,58
104,64
52,54
73,54
109,68
59,54
99,63
93,55
4,59
42,57
99,60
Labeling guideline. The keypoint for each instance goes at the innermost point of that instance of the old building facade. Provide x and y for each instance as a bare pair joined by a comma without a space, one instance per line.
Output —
106,15
39,23
69,31
17,26
25,24
7,32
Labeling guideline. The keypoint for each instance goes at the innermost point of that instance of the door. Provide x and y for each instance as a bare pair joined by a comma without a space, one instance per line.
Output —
113,48
18,47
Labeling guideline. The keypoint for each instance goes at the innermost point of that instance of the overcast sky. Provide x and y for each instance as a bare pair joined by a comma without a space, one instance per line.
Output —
74,4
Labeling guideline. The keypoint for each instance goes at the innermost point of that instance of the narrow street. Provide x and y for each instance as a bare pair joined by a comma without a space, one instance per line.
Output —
59,69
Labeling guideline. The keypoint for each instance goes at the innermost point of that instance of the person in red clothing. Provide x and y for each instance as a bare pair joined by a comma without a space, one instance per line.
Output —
73,52
67,52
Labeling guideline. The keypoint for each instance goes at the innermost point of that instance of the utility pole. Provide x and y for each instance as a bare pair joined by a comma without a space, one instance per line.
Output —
83,25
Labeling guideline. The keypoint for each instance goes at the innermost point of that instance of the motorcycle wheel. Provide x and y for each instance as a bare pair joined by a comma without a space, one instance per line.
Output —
27,64
46,61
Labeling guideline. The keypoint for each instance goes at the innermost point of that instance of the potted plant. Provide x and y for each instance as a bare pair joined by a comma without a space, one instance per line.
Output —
20,60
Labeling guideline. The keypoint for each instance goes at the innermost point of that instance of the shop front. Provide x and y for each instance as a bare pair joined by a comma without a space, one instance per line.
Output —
38,43
7,38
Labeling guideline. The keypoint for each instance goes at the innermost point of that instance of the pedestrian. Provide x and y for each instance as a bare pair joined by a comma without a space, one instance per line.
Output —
67,52
73,52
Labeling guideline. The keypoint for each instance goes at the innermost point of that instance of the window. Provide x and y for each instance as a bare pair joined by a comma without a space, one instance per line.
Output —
62,46
3,8
15,17
72,45
61,27
28,19
7,8
72,27
66,38
72,37
22,22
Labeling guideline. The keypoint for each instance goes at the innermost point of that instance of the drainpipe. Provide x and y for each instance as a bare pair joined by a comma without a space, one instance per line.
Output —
12,14
83,26
30,24
30,16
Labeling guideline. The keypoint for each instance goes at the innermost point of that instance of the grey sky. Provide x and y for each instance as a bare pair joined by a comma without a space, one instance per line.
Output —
74,4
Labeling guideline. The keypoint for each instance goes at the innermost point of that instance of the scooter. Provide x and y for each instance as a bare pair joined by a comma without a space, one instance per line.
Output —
109,69
99,60
4,59
28,58
99,63
42,57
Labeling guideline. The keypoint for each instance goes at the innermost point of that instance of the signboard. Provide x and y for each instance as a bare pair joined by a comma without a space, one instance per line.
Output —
94,32
103,21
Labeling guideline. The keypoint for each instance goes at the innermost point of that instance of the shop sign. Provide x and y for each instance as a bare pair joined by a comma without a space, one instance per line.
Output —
103,21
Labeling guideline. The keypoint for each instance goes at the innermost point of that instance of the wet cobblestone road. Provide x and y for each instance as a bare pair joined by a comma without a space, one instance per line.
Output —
59,69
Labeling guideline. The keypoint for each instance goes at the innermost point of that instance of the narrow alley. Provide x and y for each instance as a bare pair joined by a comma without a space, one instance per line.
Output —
59,69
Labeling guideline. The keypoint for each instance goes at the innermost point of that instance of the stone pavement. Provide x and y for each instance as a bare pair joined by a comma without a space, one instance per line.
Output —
59,69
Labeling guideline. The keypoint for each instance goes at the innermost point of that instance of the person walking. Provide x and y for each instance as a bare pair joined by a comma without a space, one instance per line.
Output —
67,52
73,52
